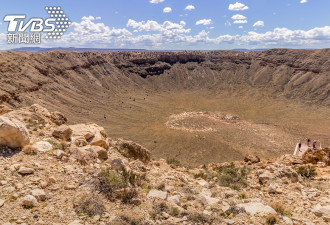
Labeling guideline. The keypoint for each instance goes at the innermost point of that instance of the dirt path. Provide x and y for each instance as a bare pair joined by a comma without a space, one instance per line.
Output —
303,149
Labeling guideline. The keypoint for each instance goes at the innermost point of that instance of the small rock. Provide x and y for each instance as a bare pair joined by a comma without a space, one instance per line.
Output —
29,201
207,200
39,194
76,222
157,194
252,159
175,199
70,187
25,170
117,164
43,146
136,201
2,202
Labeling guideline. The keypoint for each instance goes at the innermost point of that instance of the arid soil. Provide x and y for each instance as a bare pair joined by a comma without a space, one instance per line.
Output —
282,93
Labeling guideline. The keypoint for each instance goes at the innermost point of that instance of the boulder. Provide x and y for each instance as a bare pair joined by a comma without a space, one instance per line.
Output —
58,118
317,155
257,208
208,200
157,194
252,159
43,146
133,150
90,133
13,133
29,201
287,172
83,155
62,132
322,211
265,176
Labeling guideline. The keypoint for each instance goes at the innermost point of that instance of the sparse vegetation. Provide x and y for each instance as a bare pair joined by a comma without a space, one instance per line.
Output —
117,184
307,171
272,219
278,207
30,150
233,177
89,204
174,162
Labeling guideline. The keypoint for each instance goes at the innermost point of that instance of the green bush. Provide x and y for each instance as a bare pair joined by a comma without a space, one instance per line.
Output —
233,177
307,171
118,184
173,161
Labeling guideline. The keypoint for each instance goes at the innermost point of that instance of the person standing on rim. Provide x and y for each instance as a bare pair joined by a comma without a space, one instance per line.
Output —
308,142
314,144
299,146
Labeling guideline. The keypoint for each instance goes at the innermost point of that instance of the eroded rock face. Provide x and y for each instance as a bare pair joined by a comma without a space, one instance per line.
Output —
62,132
317,155
131,149
13,133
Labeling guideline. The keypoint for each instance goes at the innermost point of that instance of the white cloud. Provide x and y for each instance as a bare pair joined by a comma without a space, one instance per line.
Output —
190,7
240,27
237,7
303,1
156,1
259,24
227,23
240,21
167,10
238,17
204,22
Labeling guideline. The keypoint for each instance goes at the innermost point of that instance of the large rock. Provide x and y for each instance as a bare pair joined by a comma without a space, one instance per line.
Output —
257,208
13,133
317,155
91,133
157,194
88,154
131,149
207,200
39,194
322,211
252,159
62,132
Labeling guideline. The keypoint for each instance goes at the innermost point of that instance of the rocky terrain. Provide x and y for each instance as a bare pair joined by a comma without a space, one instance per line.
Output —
282,95
55,173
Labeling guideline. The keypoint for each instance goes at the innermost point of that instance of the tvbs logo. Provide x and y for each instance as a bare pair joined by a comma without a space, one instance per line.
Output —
22,31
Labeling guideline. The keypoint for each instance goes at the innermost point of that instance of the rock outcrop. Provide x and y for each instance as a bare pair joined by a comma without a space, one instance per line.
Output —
317,155
133,150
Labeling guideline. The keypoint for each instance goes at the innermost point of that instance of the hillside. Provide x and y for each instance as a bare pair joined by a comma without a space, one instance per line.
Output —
54,173
280,95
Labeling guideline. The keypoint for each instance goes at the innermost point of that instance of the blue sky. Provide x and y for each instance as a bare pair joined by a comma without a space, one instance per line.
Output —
183,24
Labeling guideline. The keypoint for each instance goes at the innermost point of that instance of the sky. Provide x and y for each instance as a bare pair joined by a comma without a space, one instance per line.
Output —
181,24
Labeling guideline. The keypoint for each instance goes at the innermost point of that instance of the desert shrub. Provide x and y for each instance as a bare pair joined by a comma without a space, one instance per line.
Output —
272,219
202,175
117,184
29,150
173,161
307,171
174,211
127,220
158,208
233,177
278,207
199,218
89,204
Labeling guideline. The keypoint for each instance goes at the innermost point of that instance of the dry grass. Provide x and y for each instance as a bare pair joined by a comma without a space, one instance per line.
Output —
89,204
30,150
272,219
